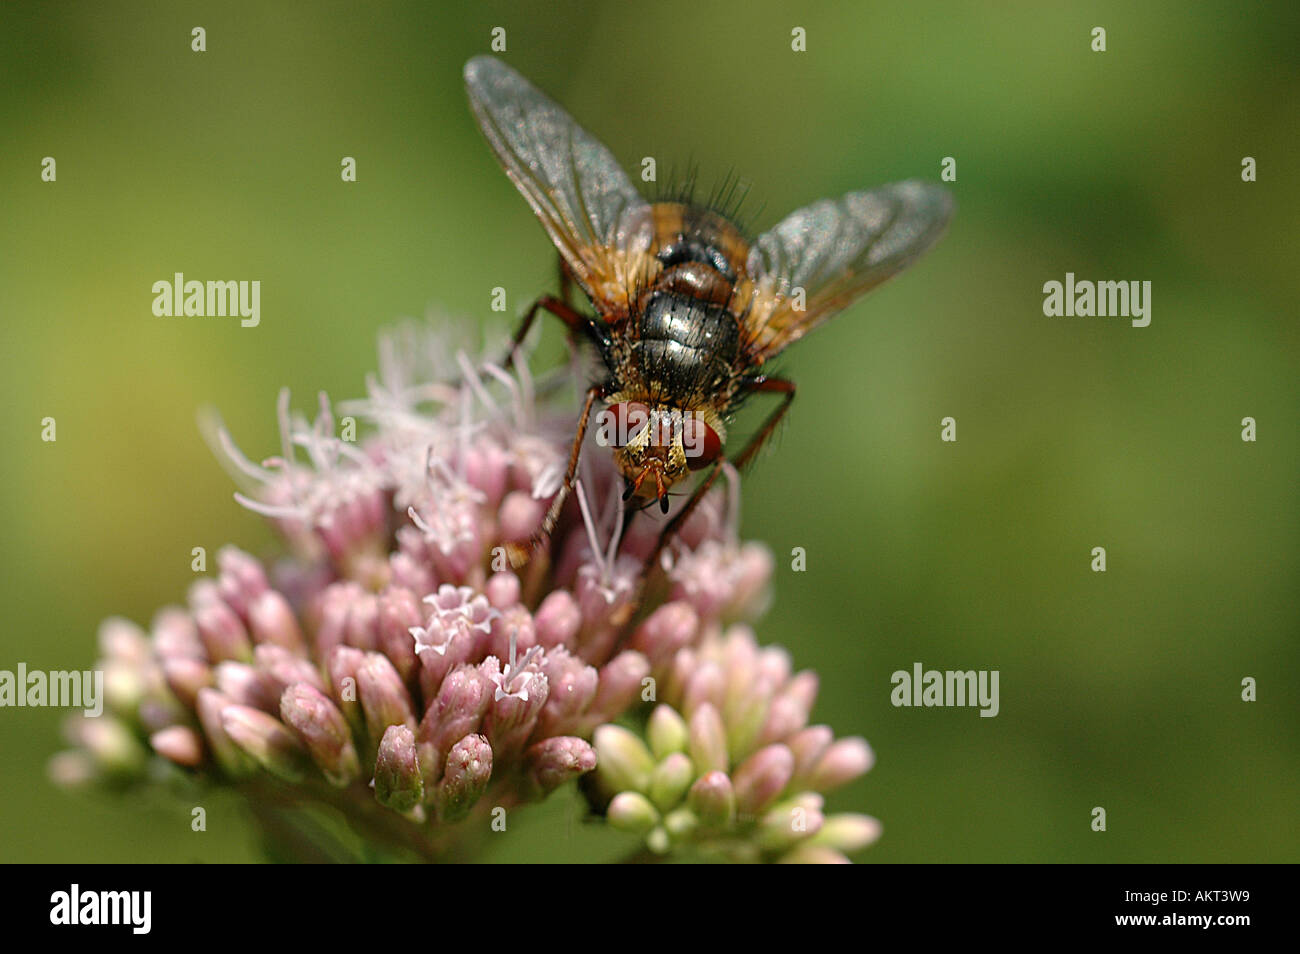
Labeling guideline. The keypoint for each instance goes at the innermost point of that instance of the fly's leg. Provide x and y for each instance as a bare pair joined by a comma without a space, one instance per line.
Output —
762,384
573,320
519,553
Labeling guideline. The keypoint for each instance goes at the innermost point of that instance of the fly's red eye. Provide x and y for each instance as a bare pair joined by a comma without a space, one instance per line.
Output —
621,422
701,442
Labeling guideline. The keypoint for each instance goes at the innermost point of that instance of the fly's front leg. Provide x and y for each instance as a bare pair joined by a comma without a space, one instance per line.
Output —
561,307
679,519
566,282
573,320
519,554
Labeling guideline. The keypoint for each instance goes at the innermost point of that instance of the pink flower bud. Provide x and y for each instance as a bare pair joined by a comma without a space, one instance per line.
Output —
323,731
708,741
844,761
266,740
272,622
384,698
761,778
180,744
465,778
557,620
557,760
223,635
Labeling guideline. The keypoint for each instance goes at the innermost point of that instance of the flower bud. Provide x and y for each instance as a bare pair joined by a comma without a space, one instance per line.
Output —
72,768
180,744
123,640
247,686
384,698
670,780
761,778
113,746
705,686
362,628
632,812
209,704
708,741
399,610
272,622
789,822
398,783
559,759
713,799
620,685
681,823
848,832
456,713
240,579
323,731
812,854
520,515
666,732
808,745
175,635
557,620
465,777
344,662
571,687
124,686
186,676
502,589
669,628
844,761
784,718
752,572
222,633
266,740
282,668
623,761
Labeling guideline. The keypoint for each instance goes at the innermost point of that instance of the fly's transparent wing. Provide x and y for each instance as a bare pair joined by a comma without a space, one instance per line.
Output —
589,208
834,251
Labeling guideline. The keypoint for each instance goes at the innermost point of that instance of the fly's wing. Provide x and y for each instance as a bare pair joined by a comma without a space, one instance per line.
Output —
834,251
589,208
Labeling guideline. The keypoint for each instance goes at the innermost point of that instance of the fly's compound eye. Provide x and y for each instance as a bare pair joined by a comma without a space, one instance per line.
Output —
701,442
619,424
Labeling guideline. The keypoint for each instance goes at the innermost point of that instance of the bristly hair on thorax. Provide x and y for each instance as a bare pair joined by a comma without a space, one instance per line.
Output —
721,204
725,199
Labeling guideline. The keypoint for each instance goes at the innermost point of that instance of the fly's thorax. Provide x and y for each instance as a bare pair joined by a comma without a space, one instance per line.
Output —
685,349
683,232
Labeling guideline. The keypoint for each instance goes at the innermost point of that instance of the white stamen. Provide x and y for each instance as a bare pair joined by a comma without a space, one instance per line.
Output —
592,540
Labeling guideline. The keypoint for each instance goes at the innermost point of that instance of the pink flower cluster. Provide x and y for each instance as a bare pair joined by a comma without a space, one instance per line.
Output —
392,662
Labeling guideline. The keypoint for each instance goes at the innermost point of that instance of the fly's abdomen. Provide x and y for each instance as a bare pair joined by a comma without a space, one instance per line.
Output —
685,346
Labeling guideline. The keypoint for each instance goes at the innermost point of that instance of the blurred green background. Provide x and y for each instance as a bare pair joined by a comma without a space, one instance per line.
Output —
1119,689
